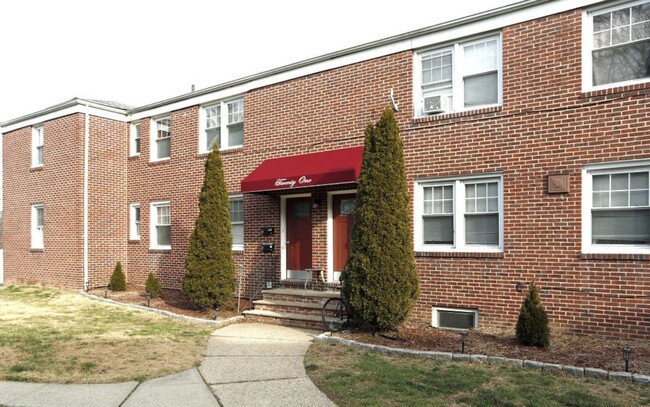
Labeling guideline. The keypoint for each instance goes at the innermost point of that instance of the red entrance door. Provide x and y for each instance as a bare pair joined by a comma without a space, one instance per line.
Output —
298,244
342,211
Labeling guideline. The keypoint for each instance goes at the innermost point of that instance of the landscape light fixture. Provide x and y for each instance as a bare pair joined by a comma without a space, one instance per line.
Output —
626,356
463,337
149,300
106,293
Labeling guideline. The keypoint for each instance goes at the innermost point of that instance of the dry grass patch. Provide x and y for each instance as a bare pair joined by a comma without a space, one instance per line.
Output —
49,335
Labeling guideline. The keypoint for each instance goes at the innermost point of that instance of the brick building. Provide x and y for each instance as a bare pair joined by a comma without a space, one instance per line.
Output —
527,145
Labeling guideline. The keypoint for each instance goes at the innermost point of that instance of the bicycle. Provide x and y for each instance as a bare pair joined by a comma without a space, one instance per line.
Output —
335,314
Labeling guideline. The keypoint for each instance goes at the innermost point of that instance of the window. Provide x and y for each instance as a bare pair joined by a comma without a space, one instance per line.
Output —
38,226
37,146
459,77
231,135
616,208
161,138
464,215
134,145
237,221
454,318
160,226
134,216
617,45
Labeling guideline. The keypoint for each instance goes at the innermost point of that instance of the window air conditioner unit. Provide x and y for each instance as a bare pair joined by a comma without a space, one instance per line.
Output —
437,104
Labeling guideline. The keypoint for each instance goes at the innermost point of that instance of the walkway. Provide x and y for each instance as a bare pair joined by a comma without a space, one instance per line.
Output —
246,364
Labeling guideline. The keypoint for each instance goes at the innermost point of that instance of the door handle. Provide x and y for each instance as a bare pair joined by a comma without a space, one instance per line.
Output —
287,242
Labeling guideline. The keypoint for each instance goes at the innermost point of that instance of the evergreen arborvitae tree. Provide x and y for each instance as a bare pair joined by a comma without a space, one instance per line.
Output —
118,279
379,278
532,325
209,278
153,286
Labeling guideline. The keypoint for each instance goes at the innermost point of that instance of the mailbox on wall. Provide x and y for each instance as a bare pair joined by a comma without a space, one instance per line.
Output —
267,231
267,247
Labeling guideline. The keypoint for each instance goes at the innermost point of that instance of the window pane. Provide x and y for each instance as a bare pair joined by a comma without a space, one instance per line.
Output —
622,63
438,230
641,13
163,234
601,183
238,234
619,182
600,200
163,147
236,210
136,213
493,204
639,198
163,128
621,227
602,22
428,207
137,145
428,193
40,218
482,229
236,111
213,138
481,57
619,198
236,134
39,155
621,17
639,180
455,319
481,89
213,117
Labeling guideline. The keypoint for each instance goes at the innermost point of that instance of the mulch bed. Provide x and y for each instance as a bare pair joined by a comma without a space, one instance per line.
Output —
172,301
565,349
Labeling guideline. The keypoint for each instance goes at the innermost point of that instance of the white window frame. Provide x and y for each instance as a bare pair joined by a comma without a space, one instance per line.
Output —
38,231
435,320
458,91
459,245
153,136
224,122
135,225
237,247
588,172
38,140
135,133
587,47
153,218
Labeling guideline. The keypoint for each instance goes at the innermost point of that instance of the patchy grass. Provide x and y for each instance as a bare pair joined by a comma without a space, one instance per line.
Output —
49,335
352,377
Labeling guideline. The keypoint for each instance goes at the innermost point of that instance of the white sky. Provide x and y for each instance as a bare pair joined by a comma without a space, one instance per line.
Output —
141,51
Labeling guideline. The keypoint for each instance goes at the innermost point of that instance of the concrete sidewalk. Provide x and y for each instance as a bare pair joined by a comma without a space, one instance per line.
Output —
246,364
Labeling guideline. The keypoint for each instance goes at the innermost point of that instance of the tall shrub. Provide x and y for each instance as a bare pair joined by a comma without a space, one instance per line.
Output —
118,279
209,268
532,325
379,279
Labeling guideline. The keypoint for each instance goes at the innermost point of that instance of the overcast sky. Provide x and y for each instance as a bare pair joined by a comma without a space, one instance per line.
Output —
141,51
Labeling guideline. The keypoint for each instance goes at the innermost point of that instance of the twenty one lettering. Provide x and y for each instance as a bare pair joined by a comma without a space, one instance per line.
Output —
290,183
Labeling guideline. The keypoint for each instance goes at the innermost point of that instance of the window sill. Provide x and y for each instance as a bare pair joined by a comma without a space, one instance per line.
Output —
456,115
134,157
160,250
232,150
616,256
39,168
487,255
35,250
617,90
133,240
159,162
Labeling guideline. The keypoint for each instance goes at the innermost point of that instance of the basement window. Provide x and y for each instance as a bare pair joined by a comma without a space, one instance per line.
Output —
454,318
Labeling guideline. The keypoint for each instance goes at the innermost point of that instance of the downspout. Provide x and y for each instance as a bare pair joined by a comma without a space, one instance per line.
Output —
85,225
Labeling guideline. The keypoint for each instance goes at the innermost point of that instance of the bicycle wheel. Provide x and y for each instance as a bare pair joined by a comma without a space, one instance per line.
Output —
335,315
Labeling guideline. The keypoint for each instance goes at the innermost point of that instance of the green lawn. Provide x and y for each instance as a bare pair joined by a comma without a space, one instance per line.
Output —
50,335
352,377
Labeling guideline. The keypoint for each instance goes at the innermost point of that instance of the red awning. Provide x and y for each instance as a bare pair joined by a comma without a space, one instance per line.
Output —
306,170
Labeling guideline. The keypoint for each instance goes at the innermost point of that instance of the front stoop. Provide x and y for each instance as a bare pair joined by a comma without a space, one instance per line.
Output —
291,307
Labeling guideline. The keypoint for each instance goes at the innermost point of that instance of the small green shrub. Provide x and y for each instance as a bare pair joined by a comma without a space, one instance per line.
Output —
153,286
532,325
118,279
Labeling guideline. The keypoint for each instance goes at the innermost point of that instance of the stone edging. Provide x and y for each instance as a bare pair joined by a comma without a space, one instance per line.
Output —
217,324
530,364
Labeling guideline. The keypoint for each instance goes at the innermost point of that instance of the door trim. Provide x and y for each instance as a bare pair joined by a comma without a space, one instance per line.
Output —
283,231
330,230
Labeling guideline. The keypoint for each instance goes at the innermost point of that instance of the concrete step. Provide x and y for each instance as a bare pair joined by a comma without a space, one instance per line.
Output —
298,296
292,307
286,319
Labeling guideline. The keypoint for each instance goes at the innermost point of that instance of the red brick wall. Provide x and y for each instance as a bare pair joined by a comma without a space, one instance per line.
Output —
107,193
58,186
